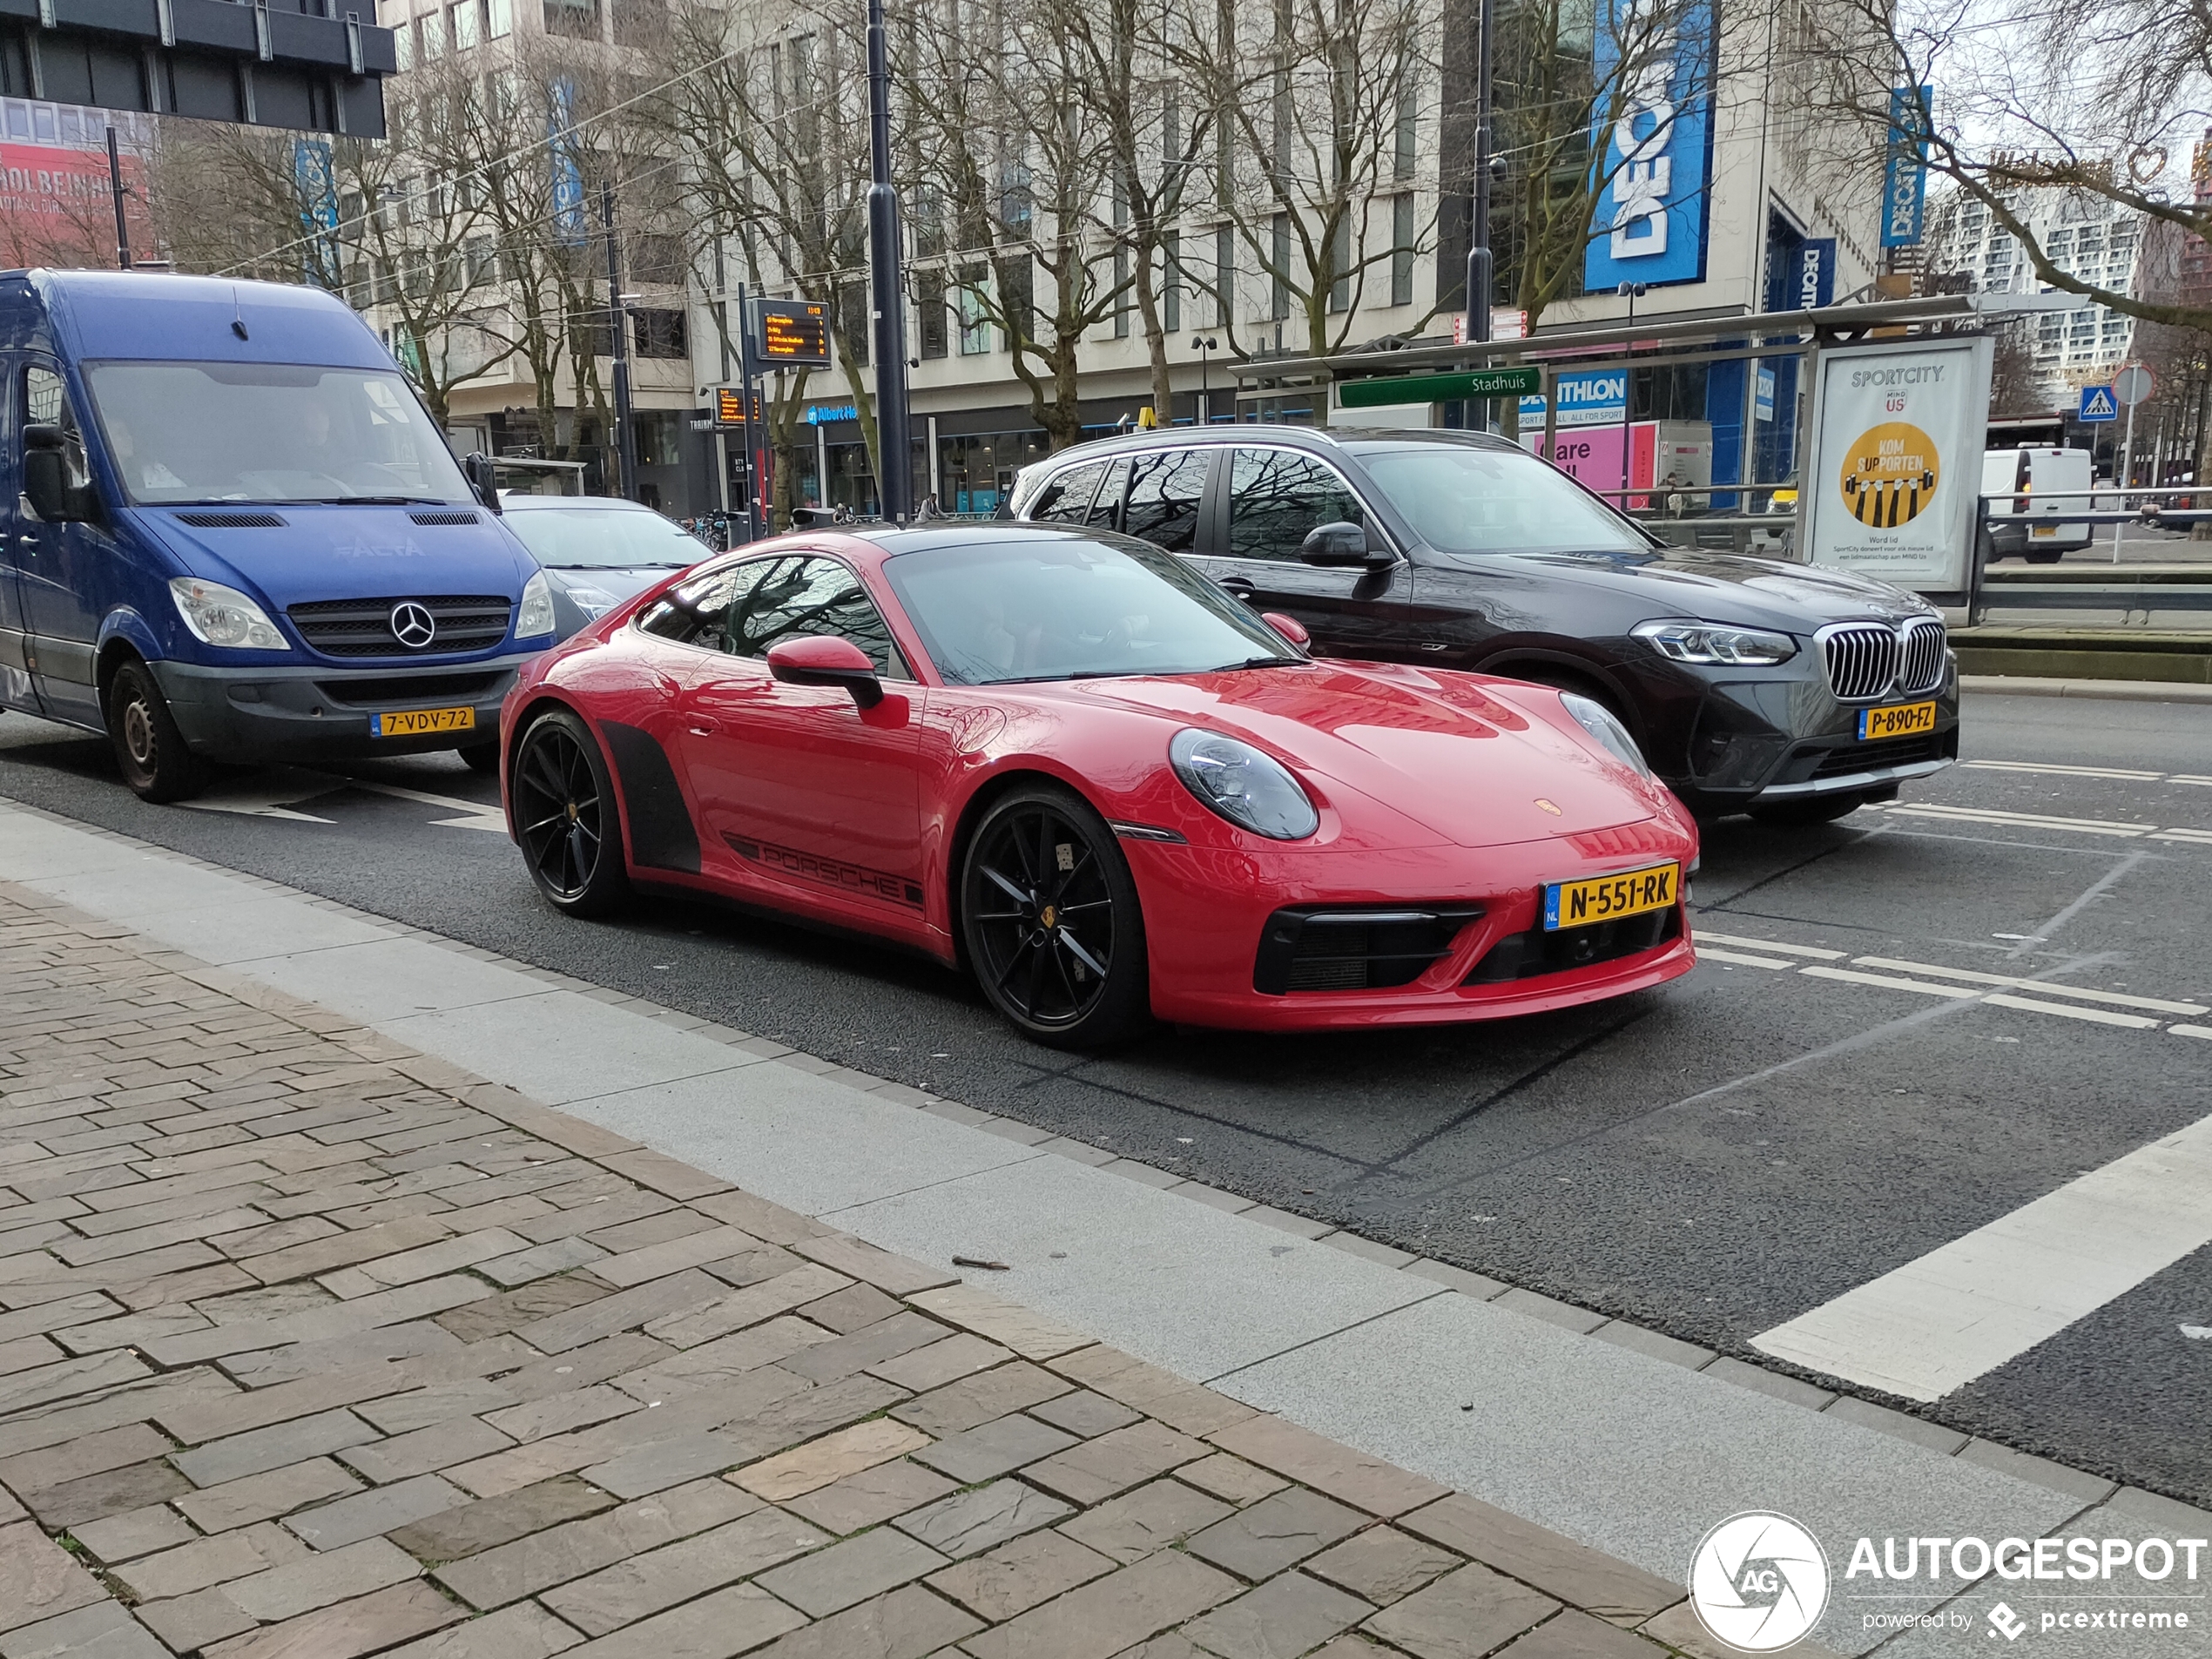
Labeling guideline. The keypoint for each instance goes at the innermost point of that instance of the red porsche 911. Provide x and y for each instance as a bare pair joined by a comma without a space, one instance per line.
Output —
1068,762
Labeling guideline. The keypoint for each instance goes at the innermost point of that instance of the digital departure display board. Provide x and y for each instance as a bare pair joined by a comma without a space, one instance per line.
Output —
729,406
792,331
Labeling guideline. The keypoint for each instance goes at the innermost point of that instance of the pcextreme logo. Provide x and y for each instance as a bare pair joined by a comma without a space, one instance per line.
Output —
1758,1582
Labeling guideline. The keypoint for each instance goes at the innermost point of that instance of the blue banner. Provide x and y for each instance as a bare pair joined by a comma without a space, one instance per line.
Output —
1904,171
1816,274
1655,158
1590,397
315,176
569,223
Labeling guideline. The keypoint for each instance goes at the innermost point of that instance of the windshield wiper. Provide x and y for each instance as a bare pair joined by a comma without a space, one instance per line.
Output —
1259,662
377,501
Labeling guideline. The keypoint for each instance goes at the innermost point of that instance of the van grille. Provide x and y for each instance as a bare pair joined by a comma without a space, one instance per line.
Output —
414,688
363,627
458,515
1862,660
231,521
1923,655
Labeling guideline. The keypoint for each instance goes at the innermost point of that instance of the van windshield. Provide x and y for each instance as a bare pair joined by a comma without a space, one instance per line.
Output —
270,432
1463,498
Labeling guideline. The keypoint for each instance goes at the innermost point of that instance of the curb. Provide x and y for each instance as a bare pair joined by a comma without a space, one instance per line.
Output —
2106,691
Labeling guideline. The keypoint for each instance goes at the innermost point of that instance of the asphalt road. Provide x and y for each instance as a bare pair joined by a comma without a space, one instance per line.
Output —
1712,1159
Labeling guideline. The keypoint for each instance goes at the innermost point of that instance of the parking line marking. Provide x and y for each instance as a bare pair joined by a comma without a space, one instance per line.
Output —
2047,986
2096,1016
1700,936
1968,1307
1712,954
2202,837
2187,777
2057,771
2036,820
1890,982
2204,1031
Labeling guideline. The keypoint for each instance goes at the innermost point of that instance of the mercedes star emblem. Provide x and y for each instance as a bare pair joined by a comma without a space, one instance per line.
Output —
412,626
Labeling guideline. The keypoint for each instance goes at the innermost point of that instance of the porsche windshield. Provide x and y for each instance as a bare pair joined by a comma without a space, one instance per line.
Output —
1042,606
1463,498
270,432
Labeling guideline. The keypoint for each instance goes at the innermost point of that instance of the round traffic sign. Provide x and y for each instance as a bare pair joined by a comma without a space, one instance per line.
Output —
2133,385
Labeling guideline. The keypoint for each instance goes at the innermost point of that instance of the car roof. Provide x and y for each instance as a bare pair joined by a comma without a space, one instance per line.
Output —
1319,439
869,546
532,503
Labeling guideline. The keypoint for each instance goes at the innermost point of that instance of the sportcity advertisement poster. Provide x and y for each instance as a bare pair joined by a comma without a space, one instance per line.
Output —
1896,460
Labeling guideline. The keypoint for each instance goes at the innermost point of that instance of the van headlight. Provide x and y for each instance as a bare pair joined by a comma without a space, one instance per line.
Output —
1252,790
1598,720
595,602
535,616
1711,645
221,615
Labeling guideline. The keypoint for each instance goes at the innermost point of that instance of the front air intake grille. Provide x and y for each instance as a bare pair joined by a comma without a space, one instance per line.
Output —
1862,660
1923,657
231,521
458,515
1872,757
363,627
1532,954
387,690
1308,949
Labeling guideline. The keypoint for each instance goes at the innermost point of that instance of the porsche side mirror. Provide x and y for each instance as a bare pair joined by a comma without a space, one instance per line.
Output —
1290,627
483,473
1343,544
818,660
46,476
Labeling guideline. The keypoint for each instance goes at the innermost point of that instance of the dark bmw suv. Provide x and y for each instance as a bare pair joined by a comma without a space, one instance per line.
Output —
1795,692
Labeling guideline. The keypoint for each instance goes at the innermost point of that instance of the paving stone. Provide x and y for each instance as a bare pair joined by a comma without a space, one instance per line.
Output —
541,1261
100,1630
2090,1489
1577,1636
1275,1532
348,1629
664,1174
886,1339
561,1413
271,1448
1085,1413
209,1561
985,1516
1111,1614
645,1584
195,1621
871,1497
1026,1331
44,1384
1018,1574
524,1631
422,1408
852,1256
86,1454
689,1327
760,1217
906,1624
461,1440
1587,1578
1152,1517
960,1355
668,1372
321,1255
508,1572
37,1579
383,1510
469,1529
1366,1482
667,1463
113,1492
1382,1564
318,1581
854,1308
1772,1384
195,1422
404,1267
135,1532
544,1298
1461,1615
1095,1470
1179,1404
1673,1350
608,1360
405,1341
732,1620
606,1315
1941,1440
836,1578
261,1497
977,1399
817,1464
993,1448
674,1255
1285,1616
1230,1479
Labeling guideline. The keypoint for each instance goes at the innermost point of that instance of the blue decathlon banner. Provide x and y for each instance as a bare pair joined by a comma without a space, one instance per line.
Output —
1652,145
569,225
1904,171
315,176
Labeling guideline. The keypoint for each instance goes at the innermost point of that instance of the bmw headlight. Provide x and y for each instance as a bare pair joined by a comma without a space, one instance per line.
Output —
225,617
1710,645
535,616
1598,720
1252,790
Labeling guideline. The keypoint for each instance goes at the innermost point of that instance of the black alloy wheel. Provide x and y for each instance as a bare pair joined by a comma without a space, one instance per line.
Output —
1051,919
148,746
566,817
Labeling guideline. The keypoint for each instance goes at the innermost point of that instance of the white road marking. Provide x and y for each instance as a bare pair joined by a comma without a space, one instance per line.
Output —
1936,1323
477,815
1887,980
1712,954
2094,1017
2027,820
2204,838
2188,778
2057,771
2053,988
2204,1031
268,795
1702,935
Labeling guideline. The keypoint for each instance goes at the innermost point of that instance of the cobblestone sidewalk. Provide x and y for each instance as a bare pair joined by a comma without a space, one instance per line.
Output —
311,1348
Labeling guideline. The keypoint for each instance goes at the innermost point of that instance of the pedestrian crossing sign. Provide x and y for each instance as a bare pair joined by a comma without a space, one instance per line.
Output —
2098,404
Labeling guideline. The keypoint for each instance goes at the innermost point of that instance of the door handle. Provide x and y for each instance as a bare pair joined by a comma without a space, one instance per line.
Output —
30,541
700,726
1241,586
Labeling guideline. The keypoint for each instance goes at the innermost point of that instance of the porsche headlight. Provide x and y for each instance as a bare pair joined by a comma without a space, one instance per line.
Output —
535,616
1598,720
1711,645
224,616
1252,790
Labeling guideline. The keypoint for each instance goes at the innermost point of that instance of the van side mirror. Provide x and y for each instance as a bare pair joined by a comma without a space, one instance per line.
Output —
824,659
1343,544
482,473
46,476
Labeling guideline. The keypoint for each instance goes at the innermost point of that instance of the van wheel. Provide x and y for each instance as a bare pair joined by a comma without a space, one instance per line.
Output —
480,757
148,746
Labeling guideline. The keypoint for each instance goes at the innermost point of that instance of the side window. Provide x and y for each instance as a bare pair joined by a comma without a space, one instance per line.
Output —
1066,497
803,594
45,402
1277,496
1164,490
696,612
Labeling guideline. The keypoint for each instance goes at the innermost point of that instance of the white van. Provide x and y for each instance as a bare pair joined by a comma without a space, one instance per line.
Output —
2041,483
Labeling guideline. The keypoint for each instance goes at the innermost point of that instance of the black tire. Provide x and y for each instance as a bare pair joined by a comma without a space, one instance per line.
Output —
566,817
148,746
1805,814
1039,856
480,757
2043,555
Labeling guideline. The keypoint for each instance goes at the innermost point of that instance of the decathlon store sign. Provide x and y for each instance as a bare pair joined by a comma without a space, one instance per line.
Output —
1655,132
1895,474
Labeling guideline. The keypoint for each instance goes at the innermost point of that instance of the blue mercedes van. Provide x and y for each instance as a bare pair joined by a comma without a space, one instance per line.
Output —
237,535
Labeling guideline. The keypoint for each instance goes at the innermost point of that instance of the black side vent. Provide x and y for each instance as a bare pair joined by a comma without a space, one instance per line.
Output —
231,521
458,515
1354,950
1533,955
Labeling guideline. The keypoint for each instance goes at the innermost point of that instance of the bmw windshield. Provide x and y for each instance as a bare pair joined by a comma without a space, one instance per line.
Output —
271,432
1466,498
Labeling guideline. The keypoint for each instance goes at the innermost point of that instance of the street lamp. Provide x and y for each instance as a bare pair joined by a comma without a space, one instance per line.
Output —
1202,344
894,430
1631,292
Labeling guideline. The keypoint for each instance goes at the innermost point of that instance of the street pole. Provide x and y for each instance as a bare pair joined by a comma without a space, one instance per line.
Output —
1204,345
2127,473
753,468
618,320
1479,264
1630,292
115,184
894,487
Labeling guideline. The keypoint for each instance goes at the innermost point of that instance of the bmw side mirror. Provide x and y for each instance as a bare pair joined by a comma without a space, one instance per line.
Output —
818,659
482,473
1341,545
46,476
